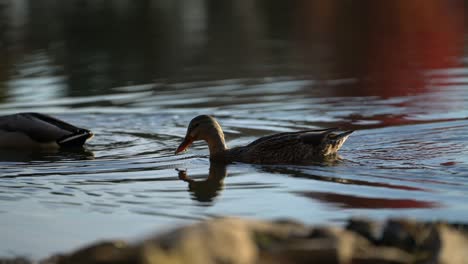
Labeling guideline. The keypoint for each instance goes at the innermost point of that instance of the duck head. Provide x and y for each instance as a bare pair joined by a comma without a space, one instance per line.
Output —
332,142
203,127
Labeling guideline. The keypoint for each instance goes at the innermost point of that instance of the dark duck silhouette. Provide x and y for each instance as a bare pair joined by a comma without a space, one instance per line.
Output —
34,130
283,148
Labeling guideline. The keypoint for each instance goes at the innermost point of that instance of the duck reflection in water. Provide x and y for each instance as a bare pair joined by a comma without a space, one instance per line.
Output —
206,190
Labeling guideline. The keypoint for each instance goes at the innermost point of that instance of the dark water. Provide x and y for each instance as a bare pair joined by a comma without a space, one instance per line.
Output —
135,74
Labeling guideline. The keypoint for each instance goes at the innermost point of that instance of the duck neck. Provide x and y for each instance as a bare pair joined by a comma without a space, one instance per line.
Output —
216,143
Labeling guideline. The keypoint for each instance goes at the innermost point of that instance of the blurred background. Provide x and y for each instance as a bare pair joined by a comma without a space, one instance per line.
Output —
87,48
136,72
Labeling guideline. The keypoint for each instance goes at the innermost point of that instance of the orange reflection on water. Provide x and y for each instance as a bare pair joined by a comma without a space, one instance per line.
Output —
357,202
386,45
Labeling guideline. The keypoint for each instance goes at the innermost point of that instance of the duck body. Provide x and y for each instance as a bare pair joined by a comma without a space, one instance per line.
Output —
35,130
283,148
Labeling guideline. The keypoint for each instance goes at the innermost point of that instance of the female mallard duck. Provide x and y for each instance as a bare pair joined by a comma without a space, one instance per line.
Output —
34,130
286,148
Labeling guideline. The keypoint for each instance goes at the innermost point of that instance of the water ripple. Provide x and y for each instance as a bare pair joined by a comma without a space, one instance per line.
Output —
406,158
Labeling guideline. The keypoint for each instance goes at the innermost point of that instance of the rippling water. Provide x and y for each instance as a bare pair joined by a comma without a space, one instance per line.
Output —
126,183
408,156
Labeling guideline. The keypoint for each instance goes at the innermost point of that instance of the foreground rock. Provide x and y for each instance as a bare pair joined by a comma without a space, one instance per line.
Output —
230,240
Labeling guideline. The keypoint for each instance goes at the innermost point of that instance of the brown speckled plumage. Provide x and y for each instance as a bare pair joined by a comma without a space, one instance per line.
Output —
283,148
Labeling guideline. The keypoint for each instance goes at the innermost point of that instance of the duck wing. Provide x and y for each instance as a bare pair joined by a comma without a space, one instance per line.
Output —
288,147
313,137
44,129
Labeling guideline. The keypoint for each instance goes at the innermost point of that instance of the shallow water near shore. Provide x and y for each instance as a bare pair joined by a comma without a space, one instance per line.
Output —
407,158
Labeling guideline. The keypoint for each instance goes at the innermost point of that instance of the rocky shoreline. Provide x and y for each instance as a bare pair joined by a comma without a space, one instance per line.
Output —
240,241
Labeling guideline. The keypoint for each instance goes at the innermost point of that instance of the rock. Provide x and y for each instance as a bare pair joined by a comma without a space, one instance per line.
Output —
410,236
328,245
367,228
238,241
454,246
220,241
118,252
18,260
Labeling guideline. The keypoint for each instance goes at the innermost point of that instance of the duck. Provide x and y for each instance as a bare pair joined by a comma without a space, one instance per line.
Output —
283,148
36,130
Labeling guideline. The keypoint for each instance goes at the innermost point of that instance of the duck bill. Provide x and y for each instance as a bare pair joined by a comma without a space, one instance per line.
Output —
344,135
184,145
